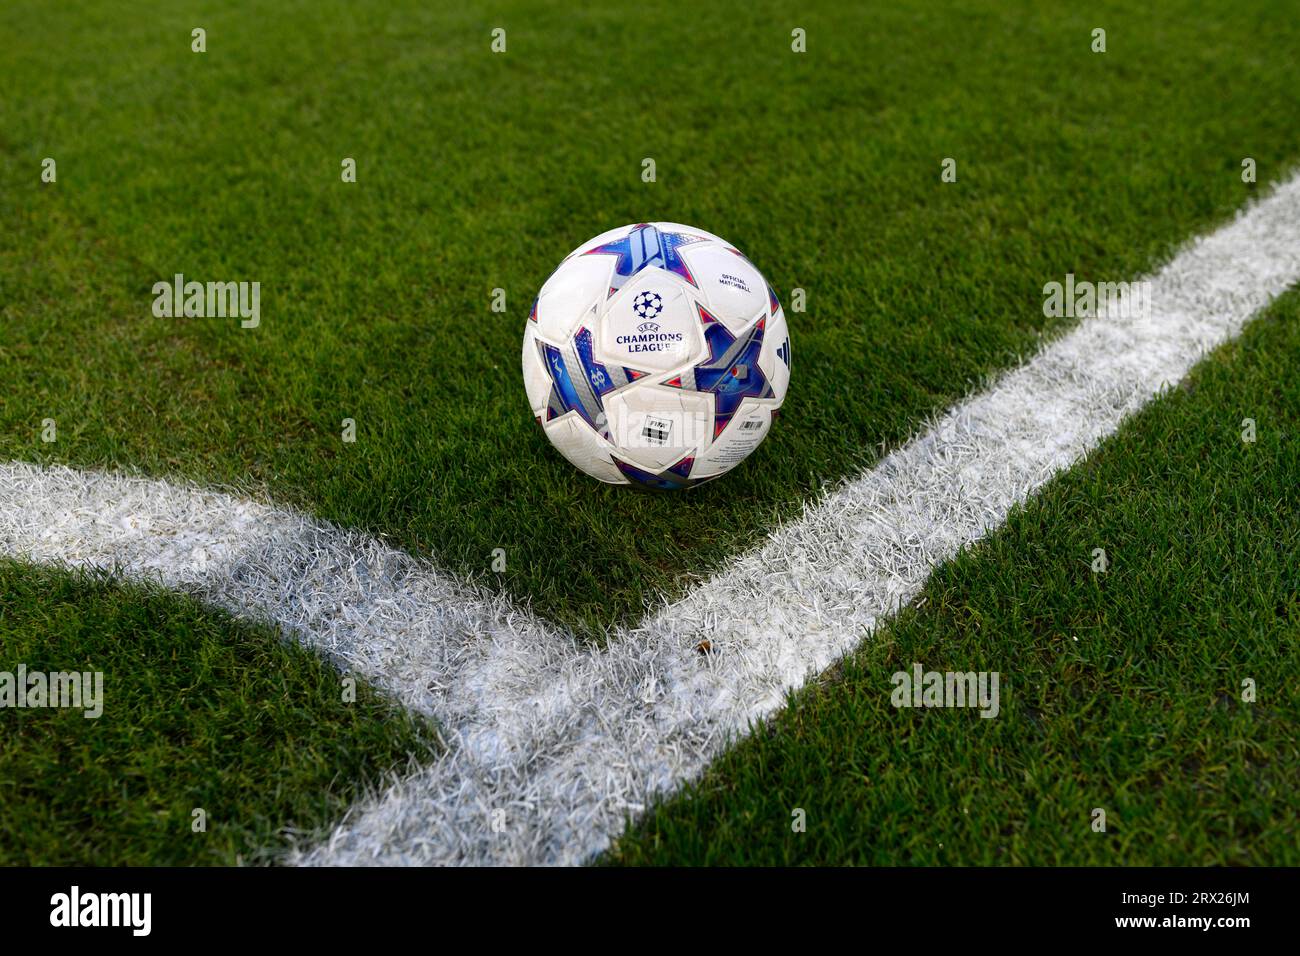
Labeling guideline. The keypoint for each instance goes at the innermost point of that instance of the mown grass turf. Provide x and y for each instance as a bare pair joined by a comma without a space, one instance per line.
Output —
199,712
1120,690
478,171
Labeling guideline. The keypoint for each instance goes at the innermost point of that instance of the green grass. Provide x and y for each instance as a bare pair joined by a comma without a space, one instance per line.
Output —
199,712
1121,690
479,171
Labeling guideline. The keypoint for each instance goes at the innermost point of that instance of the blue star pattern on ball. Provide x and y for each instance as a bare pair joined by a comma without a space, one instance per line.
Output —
648,305
565,395
646,246
595,372
676,476
732,372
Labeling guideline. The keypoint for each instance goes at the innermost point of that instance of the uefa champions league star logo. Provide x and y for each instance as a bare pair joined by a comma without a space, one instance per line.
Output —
648,305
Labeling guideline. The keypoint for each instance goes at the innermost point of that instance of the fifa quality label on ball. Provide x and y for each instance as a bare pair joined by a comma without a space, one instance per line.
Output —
656,430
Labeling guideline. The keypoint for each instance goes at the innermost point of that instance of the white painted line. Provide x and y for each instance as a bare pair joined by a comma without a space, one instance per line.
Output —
368,606
552,746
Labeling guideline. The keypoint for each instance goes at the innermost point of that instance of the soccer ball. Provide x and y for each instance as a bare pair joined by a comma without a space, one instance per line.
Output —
656,354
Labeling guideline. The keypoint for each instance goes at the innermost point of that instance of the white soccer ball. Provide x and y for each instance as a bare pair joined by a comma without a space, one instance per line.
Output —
656,354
